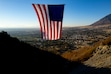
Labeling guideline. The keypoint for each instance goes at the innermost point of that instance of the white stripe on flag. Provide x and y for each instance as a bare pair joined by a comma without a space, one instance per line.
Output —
49,33
59,29
39,14
56,29
44,21
43,24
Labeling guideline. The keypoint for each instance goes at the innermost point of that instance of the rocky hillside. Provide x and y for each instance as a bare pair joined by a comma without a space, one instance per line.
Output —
104,21
97,55
101,57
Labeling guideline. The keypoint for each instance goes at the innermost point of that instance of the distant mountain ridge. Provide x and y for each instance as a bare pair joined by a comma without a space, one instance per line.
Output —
105,20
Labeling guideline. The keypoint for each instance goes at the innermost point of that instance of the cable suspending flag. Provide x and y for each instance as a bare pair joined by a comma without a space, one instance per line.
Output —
50,18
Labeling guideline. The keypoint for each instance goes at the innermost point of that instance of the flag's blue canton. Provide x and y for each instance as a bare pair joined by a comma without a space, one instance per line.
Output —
56,12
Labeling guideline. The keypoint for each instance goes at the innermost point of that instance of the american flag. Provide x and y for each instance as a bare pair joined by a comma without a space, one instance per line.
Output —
50,19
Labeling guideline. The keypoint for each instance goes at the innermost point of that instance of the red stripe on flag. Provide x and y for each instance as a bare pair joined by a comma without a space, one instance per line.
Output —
46,25
57,30
42,20
51,22
54,29
38,18
60,29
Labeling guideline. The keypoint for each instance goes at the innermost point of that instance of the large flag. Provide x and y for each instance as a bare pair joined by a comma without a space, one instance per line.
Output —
50,18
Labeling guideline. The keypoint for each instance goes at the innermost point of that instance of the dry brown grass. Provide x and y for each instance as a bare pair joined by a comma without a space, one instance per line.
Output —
107,41
77,55
84,53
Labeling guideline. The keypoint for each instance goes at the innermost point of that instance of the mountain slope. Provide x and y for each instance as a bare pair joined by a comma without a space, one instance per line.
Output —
97,55
101,57
19,57
104,21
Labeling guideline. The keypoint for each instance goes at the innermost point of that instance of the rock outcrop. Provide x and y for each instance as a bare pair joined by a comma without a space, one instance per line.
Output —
101,57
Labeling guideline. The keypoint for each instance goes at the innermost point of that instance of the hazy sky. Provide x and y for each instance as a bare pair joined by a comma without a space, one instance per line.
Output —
21,14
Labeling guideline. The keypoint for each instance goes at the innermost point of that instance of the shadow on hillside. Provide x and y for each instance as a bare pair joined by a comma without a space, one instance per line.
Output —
20,57
83,69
